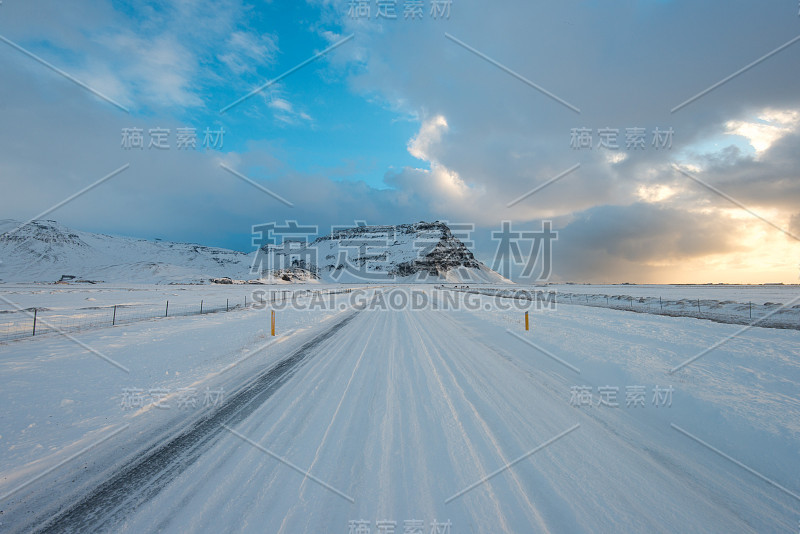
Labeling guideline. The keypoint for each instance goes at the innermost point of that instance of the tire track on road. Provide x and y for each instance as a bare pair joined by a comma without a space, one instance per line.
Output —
458,425
321,446
522,492
144,477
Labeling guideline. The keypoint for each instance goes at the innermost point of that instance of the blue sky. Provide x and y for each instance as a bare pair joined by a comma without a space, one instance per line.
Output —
313,118
402,123
329,126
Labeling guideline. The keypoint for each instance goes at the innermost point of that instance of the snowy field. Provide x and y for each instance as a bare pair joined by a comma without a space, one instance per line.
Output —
72,307
594,420
757,294
776,306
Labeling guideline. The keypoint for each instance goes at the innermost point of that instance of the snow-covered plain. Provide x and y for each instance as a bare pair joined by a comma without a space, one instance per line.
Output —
396,415
757,294
72,307
775,306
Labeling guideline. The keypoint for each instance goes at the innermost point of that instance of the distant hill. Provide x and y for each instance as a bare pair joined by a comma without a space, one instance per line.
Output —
46,251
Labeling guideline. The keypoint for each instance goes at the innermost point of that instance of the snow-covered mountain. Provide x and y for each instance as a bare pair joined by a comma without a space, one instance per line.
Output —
419,252
45,251
422,252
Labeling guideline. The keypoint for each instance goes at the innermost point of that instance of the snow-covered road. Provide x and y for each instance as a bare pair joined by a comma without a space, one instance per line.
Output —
428,420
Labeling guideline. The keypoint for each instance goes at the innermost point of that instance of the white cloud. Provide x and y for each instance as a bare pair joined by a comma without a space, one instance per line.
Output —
281,104
655,193
430,133
766,129
286,113
616,157
159,55
246,51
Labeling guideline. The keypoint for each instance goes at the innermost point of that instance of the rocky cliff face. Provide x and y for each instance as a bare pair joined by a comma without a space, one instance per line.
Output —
446,254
